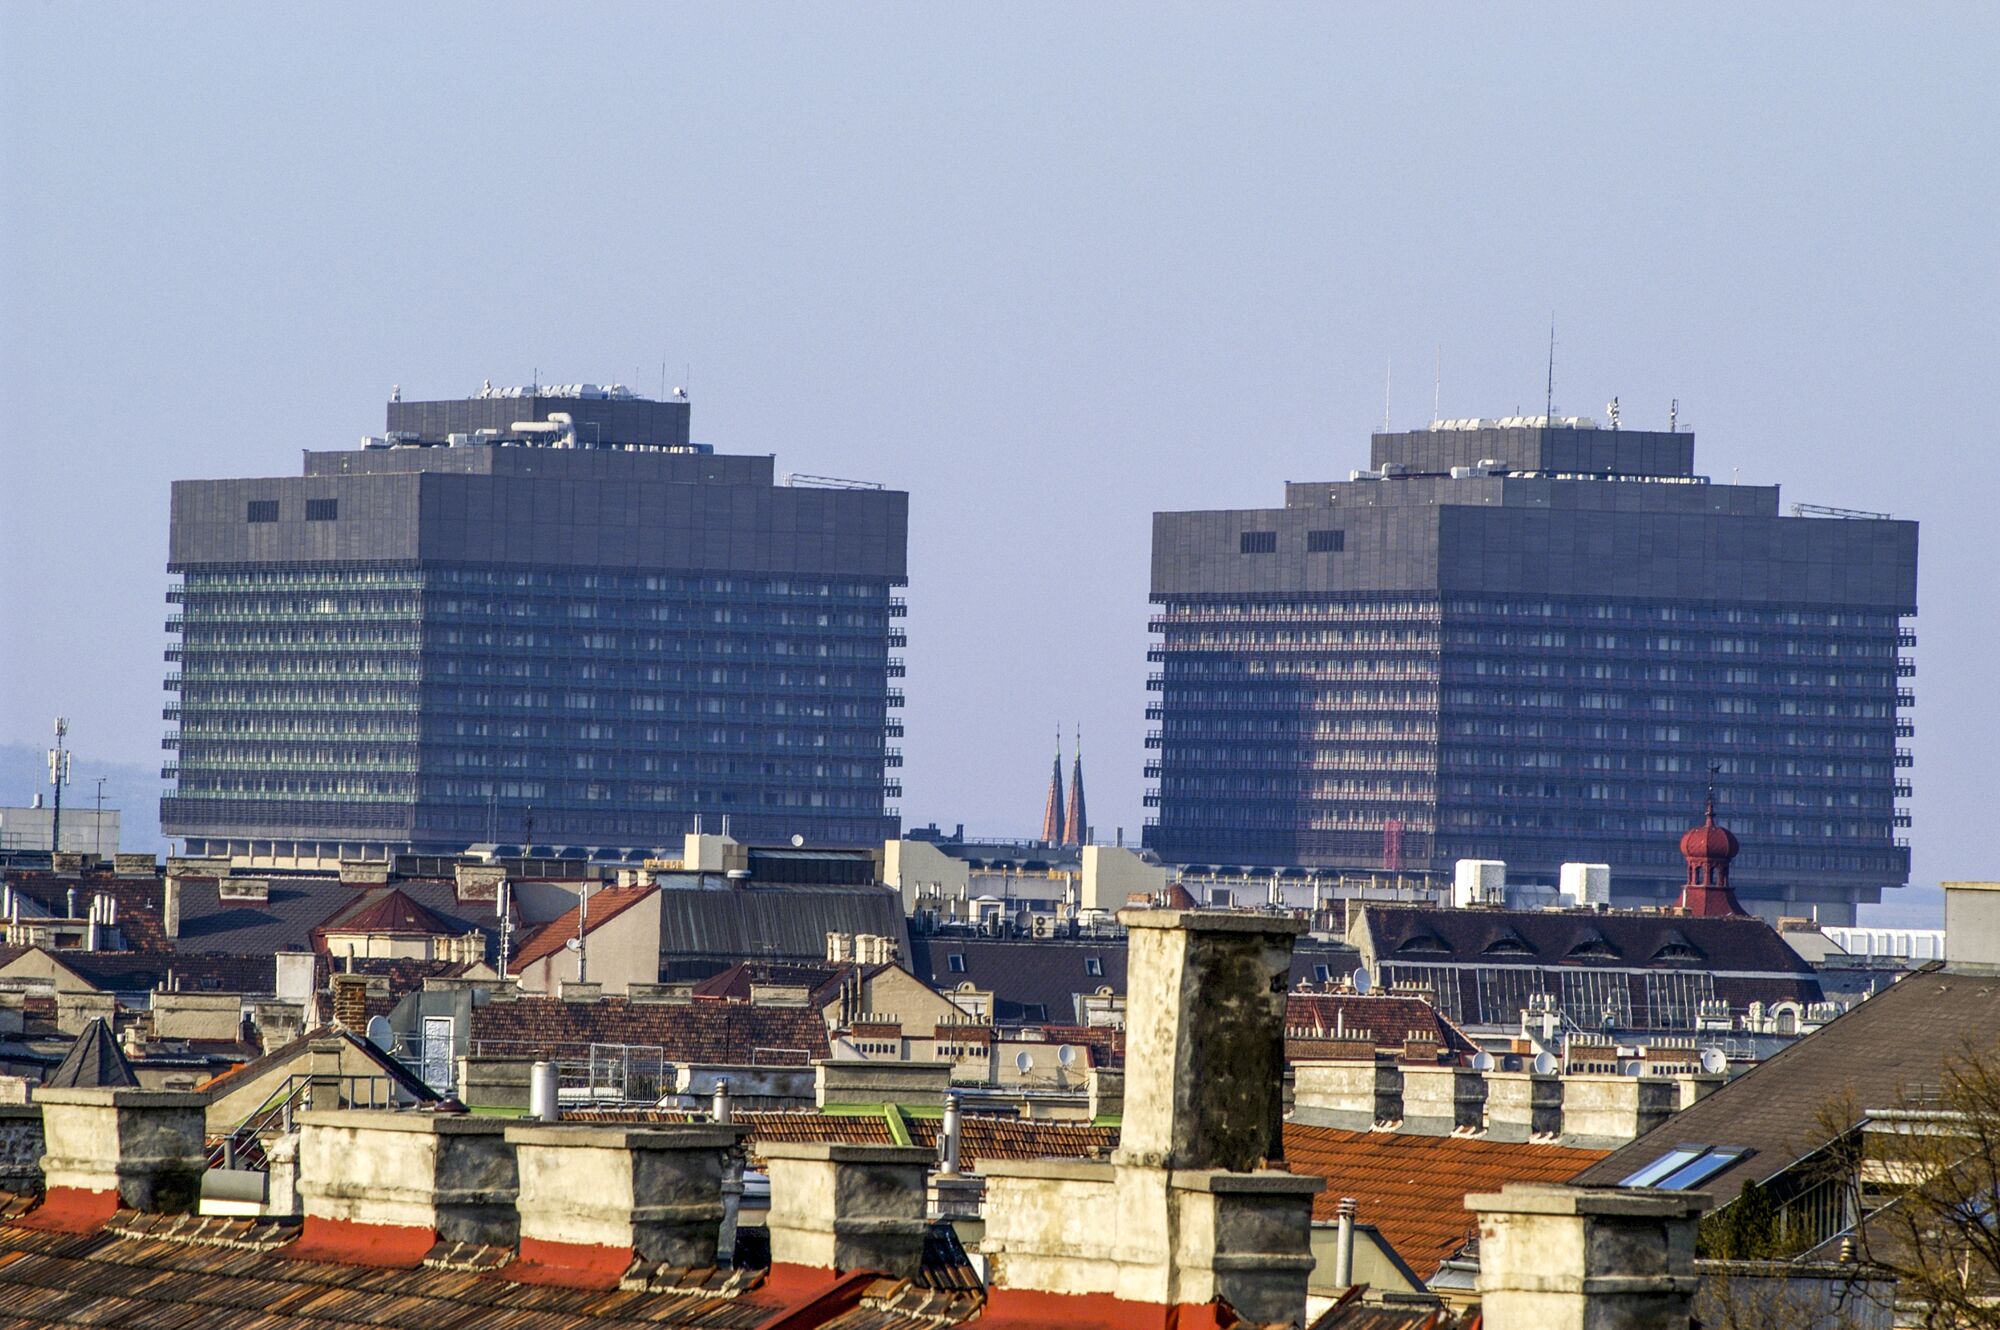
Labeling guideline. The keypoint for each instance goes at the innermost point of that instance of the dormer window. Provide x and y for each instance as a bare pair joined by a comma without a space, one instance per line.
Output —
1593,946
1423,944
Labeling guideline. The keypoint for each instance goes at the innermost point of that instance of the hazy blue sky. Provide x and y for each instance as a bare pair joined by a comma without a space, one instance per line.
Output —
1048,268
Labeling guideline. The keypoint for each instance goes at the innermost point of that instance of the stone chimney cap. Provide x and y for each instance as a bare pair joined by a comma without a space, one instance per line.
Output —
121,1097
840,1153
378,1119
678,1136
1213,921
1528,1198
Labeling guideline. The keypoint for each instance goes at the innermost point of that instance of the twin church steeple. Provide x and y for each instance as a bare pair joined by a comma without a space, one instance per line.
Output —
1066,823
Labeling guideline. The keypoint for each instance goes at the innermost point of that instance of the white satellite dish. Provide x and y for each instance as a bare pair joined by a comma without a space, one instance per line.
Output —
574,944
1545,1064
1066,1055
1024,1062
1714,1061
1361,979
797,840
1482,1062
380,1033
1633,1068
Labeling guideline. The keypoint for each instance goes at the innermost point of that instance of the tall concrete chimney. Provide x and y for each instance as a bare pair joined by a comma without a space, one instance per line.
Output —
837,1208
1188,1211
596,1200
383,1188
1576,1258
107,1149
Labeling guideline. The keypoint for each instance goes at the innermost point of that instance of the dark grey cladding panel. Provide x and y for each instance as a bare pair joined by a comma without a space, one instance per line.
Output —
210,521
563,463
1618,452
651,525
1383,549
1680,556
1713,556
1534,492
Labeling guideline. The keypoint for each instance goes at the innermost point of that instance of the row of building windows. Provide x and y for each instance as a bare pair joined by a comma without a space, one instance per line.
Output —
317,510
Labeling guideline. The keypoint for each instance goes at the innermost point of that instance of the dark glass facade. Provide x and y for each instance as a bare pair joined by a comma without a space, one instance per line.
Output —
591,692
1475,667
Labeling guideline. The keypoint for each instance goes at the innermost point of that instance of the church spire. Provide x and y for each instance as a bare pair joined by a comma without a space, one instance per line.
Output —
1052,811
1076,827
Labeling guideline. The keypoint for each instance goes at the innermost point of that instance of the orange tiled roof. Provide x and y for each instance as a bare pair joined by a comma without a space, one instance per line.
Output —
1412,1188
604,905
989,1136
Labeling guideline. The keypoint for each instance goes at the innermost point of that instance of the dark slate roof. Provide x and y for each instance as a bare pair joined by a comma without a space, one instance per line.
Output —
296,907
703,1031
1889,1047
703,917
1388,1018
149,971
94,1062
1038,979
138,898
1622,939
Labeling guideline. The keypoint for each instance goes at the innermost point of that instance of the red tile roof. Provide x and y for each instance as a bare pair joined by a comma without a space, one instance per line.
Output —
1412,1188
983,1136
703,1031
604,906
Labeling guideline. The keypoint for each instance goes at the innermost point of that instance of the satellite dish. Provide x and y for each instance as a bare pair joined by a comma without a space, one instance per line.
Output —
1361,979
1066,1055
1024,1062
573,944
1482,1062
797,840
380,1033
1633,1068
1545,1064
1714,1061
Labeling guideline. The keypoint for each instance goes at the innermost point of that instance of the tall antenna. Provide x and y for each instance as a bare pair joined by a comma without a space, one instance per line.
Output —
1549,401
1674,416
58,777
1388,372
1437,382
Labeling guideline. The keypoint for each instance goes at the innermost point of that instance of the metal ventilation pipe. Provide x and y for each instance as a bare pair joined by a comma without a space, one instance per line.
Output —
542,1105
720,1111
1343,1248
948,1138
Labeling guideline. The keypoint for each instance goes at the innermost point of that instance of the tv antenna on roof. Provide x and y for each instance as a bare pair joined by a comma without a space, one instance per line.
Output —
1388,375
1549,400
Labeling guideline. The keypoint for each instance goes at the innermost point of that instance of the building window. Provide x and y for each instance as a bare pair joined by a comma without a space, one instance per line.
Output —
1325,542
262,510
955,963
1260,542
322,510
1322,973
1094,966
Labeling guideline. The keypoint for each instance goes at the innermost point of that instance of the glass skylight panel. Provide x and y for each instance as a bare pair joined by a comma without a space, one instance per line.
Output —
1667,1163
1699,1171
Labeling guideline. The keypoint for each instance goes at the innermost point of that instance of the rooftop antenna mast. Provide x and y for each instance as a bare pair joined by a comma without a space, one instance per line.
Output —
1388,374
1549,401
58,776
1437,383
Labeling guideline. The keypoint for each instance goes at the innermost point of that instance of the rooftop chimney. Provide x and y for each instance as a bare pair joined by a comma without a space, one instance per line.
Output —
1567,1258
1189,1211
837,1208
1972,924
108,1149
383,1188
595,1200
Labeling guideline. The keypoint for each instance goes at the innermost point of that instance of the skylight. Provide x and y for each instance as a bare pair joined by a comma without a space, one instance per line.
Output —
1685,1166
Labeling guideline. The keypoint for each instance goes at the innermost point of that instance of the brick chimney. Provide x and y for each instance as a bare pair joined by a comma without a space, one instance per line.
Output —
837,1208
383,1188
1190,1210
108,1149
350,1000
595,1200
1571,1258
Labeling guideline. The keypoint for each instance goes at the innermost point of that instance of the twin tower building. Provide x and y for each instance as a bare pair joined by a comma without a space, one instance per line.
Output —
543,619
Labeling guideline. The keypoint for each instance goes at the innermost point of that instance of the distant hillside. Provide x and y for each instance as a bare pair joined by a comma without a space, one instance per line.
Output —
133,791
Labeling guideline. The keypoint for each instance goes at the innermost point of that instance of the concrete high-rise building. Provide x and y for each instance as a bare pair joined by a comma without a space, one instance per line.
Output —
532,615
1506,640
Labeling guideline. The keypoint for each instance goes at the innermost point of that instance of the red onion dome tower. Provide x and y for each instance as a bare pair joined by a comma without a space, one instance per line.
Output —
1708,849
